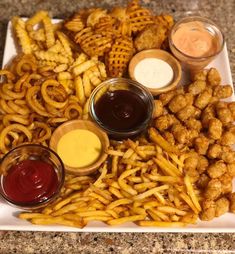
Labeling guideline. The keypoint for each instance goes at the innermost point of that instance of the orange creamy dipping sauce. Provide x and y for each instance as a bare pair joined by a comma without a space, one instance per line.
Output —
193,39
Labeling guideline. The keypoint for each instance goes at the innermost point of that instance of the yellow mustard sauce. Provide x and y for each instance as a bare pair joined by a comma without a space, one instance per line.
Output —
79,148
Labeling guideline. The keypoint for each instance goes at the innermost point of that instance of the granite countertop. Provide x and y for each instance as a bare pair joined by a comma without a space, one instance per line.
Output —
222,12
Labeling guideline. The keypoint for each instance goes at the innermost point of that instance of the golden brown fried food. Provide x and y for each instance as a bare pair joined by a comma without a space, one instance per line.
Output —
193,124
232,202
94,44
207,114
185,113
221,206
139,17
193,174
215,128
231,106
197,87
197,113
119,56
191,161
226,183
158,109
214,151
177,103
166,20
192,134
166,97
189,97
227,138
201,75
216,169
75,24
213,189
227,154
203,181
213,77
95,16
222,92
224,115
151,37
208,210
231,169
201,144
180,133
164,122
169,137
203,99
202,164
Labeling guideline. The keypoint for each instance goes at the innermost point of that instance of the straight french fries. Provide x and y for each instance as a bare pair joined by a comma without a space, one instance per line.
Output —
136,186
159,140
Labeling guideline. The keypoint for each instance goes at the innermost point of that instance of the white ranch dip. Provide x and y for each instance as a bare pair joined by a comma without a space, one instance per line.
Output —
153,73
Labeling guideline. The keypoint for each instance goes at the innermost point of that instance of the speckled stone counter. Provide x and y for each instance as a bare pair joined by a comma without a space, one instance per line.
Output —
222,12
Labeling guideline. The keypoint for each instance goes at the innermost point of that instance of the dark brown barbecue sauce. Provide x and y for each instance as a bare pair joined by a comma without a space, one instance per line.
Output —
121,110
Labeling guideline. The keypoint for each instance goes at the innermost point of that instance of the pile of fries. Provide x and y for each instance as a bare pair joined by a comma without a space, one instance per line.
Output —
143,182
112,35
47,85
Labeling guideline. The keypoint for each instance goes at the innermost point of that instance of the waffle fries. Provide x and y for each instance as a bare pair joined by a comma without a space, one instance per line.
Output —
111,34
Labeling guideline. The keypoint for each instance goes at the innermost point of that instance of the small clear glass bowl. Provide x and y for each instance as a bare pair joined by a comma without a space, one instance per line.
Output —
195,64
122,84
31,152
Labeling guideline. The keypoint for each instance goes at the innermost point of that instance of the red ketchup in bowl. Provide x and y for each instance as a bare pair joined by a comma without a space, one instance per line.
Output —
30,181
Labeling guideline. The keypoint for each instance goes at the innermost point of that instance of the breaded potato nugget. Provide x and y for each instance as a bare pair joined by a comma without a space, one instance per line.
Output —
227,138
203,181
232,202
177,103
191,162
201,75
226,181
217,169
180,133
202,164
214,151
215,128
193,124
213,189
222,92
158,108
231,106
164,122
203,99
231,169
227,154
185,113
208,210
224,115
201,144
197,87
213,77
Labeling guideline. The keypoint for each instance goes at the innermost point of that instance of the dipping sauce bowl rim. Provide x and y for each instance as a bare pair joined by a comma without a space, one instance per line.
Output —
129,82
203,20
39,204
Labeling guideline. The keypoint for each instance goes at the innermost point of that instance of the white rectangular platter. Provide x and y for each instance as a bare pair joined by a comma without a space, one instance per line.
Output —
8,214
